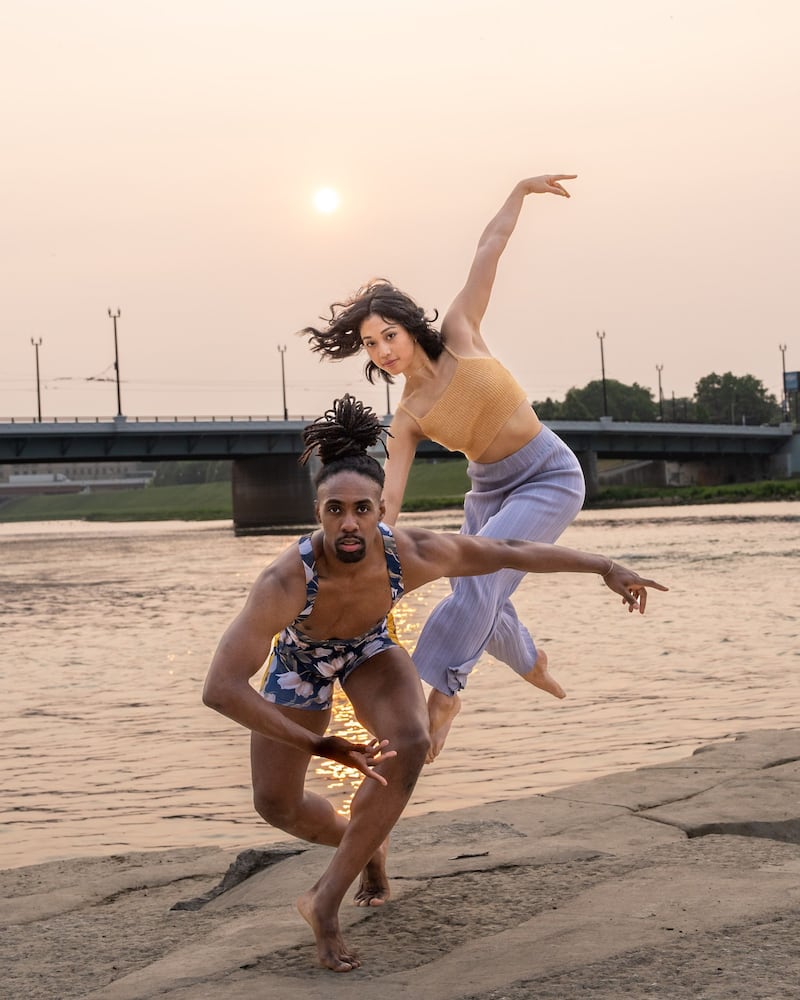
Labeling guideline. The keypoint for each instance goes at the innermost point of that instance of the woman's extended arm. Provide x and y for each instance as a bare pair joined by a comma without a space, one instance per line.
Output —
465,314
401,447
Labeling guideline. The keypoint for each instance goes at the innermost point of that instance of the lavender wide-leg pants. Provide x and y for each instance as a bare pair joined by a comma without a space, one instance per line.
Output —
533,494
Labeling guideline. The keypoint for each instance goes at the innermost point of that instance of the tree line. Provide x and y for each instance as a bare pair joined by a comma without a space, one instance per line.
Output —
717,399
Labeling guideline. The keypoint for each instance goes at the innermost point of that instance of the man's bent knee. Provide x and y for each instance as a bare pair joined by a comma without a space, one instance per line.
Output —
412,747
276,809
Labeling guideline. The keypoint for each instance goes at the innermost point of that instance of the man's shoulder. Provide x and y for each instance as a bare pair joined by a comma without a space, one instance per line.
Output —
408,535
285,570
408,538
418,545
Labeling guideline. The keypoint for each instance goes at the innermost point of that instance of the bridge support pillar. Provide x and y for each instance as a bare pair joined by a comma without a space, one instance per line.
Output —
786,463
588,461
271,491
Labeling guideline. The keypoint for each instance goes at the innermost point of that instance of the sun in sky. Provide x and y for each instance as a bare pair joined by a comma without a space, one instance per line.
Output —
326,200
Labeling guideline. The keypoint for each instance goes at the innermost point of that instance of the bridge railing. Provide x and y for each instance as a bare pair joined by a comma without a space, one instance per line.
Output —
196,419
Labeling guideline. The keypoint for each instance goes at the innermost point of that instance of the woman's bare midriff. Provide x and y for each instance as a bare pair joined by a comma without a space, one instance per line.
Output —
521,427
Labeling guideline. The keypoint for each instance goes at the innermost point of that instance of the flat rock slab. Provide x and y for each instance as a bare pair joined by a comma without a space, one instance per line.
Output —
479,936
591,888
763,805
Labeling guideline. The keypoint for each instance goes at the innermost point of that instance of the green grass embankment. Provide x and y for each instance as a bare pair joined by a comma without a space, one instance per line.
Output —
436,485
431,486
200,502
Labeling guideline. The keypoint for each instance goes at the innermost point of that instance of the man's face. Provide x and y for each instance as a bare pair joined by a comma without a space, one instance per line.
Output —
349,507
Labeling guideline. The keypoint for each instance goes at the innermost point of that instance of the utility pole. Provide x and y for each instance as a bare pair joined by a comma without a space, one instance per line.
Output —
660,369
601,337
36,345
114,317
784,400
388,403
282,351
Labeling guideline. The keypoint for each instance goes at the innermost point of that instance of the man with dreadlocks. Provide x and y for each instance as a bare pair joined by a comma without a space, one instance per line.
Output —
326,599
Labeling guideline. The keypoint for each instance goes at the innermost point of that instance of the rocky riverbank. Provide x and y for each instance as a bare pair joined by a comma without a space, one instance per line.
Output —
673,881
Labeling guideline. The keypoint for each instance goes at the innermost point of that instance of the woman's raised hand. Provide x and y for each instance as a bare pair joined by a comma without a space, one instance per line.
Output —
548,184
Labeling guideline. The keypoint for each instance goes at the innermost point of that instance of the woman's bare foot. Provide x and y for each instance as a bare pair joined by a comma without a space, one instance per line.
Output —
332,952
373,889
541,677
442,710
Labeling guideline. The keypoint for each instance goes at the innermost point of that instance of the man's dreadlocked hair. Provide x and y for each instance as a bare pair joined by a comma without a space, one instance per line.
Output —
341,437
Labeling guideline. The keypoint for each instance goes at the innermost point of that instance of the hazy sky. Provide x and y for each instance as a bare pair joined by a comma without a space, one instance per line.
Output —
162,157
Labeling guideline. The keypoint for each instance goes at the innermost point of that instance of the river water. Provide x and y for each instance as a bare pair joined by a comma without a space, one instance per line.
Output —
106,632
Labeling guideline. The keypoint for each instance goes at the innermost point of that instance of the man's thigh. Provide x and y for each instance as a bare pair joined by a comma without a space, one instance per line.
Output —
279,770
386,694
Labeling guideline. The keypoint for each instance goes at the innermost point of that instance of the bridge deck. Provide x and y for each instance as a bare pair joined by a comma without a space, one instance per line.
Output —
157,440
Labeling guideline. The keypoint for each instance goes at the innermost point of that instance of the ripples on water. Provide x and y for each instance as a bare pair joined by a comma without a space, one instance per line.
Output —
107,631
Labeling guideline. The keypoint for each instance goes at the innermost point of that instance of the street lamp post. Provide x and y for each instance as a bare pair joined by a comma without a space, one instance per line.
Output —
388,402
282,351
660,369
114,317
36,345
784,401
601,337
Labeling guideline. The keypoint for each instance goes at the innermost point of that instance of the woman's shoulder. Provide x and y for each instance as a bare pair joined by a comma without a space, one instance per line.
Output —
404,425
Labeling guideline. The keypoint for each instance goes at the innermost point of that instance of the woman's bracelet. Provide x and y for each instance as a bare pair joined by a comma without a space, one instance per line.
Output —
610,568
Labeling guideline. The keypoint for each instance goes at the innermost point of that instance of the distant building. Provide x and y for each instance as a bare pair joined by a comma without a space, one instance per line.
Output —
73,477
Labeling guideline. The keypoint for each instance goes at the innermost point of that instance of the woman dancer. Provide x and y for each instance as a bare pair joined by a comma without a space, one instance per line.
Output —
526,483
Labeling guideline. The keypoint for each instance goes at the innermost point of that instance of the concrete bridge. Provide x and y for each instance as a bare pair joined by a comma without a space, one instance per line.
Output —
270,489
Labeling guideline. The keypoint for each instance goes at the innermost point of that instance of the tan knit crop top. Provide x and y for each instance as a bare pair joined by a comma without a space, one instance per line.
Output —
476,405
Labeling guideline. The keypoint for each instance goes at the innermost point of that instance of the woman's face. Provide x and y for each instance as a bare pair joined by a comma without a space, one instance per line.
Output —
389,345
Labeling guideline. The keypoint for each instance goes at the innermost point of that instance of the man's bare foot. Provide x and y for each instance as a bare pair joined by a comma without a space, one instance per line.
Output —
373,889
332,952
541,677
442,710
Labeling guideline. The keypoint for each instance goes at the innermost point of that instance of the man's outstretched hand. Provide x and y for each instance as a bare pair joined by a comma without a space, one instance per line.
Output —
360,756
631,586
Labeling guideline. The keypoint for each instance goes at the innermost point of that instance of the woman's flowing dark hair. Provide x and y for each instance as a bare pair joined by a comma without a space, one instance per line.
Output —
341,438
341,338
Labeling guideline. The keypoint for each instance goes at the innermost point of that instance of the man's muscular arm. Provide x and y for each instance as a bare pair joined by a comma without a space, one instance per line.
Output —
277,597
428,555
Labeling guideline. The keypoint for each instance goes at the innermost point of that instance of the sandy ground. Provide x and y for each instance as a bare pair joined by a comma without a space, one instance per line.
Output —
674,881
